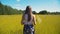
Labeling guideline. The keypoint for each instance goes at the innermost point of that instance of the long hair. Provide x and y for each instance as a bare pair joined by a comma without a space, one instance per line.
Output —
29,12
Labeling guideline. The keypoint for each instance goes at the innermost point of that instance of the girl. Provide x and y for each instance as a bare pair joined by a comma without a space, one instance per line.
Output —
28,20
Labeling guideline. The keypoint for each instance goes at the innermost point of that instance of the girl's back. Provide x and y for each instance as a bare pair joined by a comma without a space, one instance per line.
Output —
25,21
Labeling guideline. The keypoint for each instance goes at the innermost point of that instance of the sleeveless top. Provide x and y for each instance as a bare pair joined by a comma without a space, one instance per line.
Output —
26,22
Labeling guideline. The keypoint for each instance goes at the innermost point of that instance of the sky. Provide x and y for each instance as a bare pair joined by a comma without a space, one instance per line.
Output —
36,5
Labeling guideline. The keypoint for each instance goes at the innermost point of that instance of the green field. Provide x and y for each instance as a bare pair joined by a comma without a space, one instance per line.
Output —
46,24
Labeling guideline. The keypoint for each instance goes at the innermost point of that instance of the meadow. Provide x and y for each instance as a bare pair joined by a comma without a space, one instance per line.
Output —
45,24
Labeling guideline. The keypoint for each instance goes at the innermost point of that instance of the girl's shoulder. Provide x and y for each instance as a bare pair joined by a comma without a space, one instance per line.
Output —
33,15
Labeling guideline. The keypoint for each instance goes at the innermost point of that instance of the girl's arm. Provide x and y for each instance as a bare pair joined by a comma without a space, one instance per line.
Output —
34,20
22,19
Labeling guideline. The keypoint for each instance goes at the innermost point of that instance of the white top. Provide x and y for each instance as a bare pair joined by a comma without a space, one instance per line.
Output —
25,21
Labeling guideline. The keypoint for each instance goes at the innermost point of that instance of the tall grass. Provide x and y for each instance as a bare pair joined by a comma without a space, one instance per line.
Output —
46,24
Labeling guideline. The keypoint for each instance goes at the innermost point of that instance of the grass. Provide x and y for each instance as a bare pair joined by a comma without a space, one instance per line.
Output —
46,24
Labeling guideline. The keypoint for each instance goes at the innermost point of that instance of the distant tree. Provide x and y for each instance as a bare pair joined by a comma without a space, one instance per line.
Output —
43,12
6,9
20,11
9,10
1,8
34,12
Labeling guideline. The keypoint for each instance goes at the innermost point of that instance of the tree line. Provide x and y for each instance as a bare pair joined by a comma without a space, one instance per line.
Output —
45,12
8,10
